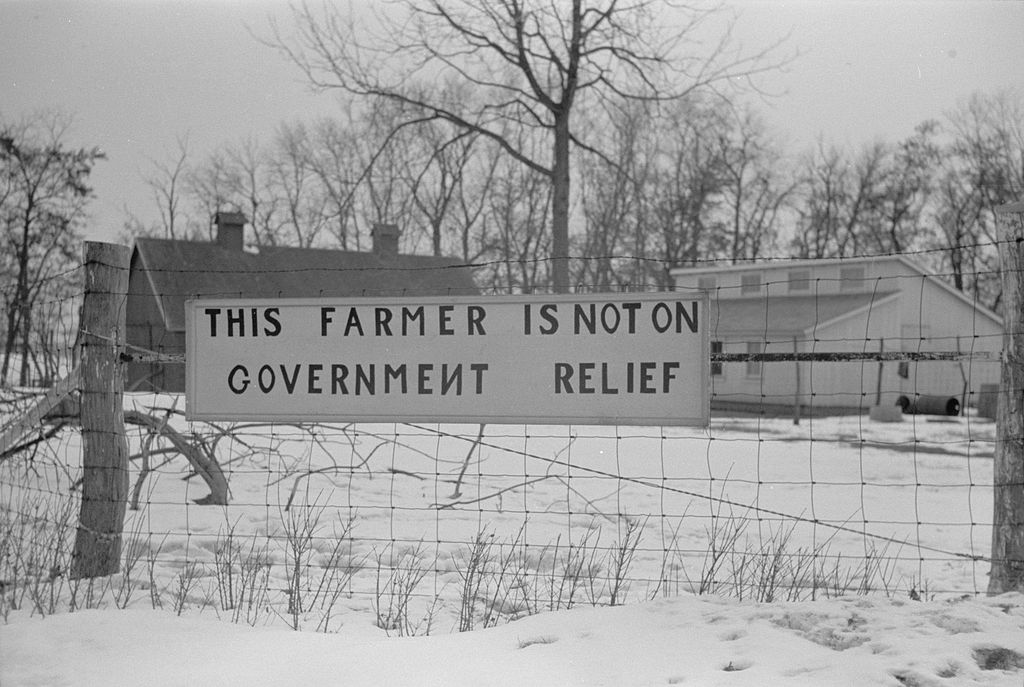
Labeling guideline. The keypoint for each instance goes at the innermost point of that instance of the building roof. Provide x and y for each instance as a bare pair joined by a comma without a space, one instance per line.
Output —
791,263
178,270
912,265
789,315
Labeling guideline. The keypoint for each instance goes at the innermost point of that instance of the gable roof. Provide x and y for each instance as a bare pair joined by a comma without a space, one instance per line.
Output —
786,263
175,271
788,315
790,263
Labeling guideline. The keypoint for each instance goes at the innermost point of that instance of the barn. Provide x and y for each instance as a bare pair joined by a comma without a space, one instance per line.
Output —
888,303
165,273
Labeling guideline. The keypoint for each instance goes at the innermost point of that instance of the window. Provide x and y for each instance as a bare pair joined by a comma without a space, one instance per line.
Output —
754,366
707,283
716,368
799,280
750,283
851,278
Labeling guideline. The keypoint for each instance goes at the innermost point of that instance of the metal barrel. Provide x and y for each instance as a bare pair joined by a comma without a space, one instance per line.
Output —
929,405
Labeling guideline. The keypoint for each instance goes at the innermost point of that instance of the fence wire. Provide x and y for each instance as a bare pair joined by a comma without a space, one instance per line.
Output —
795,490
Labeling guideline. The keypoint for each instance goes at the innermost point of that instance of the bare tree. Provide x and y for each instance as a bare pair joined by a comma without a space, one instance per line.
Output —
519,237
614,203
988,143
958,213
308,186
437,182
43,198
756,190
166,182
246,165
838,194
212,186
292,178
894,220
468,221
686,190
386,151
533,64
239,176
981,166
335,162
706,176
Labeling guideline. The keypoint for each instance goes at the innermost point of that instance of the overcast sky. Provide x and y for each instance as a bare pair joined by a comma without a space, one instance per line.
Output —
137,74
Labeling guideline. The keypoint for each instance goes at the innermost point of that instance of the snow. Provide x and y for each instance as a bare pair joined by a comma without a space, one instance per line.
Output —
684,640
913,498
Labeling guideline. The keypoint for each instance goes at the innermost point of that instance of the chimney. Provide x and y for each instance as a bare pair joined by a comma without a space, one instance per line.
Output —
230,230
385,240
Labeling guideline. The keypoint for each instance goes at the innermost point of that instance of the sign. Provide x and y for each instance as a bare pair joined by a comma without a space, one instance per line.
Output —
625,359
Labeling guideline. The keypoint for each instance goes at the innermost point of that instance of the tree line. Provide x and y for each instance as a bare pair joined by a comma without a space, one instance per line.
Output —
554,146
44,194
689,182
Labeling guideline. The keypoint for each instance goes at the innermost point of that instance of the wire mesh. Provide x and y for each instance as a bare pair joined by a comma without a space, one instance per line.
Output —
792,492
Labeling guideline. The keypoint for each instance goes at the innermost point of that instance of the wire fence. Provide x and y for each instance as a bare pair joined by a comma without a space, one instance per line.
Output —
850,451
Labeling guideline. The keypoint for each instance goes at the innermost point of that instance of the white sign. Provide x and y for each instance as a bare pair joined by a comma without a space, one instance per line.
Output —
638,359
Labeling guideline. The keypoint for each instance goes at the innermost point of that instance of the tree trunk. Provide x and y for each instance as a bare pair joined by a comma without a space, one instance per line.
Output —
16,311
12,310
26,329
560,206
21,296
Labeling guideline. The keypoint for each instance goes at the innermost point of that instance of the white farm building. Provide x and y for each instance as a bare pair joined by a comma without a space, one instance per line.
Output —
860,305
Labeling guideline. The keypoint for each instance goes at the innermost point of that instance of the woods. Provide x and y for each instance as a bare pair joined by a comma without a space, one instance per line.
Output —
687,182
44,192
582,147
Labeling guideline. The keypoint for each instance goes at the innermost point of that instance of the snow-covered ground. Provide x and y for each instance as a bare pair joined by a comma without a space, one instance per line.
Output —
878,531
680,641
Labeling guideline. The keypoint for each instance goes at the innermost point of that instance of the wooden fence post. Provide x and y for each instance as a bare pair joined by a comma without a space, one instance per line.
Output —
1008,473
97,549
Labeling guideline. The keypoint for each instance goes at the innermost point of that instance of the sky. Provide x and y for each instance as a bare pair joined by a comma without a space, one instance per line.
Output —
136,75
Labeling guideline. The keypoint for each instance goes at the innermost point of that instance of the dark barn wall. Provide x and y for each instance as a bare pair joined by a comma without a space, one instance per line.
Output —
168,272
146,329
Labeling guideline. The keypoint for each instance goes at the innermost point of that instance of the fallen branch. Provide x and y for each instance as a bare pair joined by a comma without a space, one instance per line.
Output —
146,454
203,462
44,436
